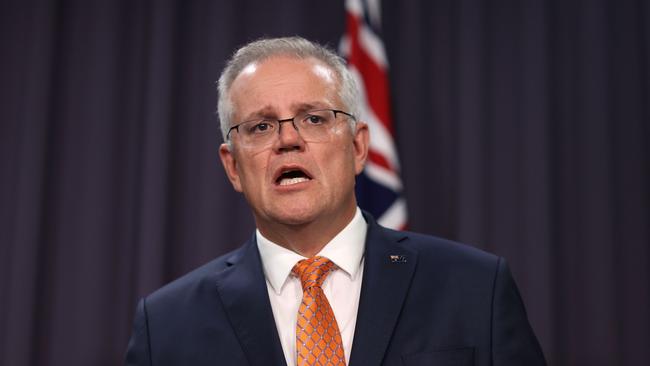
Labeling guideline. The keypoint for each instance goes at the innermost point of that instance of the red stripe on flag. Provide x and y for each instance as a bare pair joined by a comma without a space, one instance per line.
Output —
372,74
379,159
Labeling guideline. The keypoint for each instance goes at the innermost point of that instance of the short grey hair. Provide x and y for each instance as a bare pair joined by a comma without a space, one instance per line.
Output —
297,47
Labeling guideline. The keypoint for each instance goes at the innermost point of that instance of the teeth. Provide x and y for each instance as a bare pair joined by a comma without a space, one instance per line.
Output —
289,181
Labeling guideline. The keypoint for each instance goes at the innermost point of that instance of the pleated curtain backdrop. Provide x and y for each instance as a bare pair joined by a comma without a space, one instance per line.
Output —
522,128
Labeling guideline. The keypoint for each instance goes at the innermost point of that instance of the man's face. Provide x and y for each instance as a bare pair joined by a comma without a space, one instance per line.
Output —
293,182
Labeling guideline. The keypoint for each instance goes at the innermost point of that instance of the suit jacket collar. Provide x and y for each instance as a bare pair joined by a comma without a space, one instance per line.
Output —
388,270
243,292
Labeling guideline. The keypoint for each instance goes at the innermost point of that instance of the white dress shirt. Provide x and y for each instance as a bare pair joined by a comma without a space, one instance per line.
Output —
342,286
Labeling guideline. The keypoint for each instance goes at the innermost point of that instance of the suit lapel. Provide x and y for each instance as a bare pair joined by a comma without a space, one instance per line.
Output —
388,270
243,292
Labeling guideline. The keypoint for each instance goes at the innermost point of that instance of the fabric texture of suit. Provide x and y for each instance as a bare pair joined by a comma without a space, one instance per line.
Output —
424,301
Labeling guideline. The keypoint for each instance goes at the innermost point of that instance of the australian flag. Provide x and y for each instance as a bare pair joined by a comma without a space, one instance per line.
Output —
379,187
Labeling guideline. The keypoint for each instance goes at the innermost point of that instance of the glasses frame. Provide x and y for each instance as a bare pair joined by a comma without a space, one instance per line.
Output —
292,119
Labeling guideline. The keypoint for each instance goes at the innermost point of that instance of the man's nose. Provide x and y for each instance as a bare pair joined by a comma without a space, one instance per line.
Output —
289,137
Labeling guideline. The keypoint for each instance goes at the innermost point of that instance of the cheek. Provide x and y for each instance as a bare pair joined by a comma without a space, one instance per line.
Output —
340,165
252,173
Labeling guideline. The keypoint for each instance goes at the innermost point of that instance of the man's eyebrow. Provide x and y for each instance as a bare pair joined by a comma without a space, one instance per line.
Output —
264,112
302,107
270,112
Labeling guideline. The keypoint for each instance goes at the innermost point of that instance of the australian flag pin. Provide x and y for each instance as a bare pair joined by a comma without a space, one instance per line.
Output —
395,258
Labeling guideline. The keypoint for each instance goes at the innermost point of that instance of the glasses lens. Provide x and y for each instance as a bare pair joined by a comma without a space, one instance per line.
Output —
257,132
316,126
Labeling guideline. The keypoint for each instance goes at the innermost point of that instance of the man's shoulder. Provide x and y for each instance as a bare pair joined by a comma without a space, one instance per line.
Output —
439,251
199,279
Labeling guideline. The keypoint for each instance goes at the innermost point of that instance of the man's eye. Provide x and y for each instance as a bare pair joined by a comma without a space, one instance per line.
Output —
260,127
315,119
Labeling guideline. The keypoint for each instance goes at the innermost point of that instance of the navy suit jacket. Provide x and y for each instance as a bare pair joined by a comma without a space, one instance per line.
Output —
424,301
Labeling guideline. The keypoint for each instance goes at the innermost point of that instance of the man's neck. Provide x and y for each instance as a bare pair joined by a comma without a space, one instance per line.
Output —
309,238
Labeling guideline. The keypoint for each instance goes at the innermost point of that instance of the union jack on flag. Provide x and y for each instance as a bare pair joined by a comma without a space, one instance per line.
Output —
379,187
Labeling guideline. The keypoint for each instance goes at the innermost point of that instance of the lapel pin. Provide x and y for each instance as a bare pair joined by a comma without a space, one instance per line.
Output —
397,258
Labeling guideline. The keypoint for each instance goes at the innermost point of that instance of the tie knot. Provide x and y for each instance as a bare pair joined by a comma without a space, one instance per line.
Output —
313,271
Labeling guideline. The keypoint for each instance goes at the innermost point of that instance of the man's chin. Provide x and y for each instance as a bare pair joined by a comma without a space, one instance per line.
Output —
292,216
296,219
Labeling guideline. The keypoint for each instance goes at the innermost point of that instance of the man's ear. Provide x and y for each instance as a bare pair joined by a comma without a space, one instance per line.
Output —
230,166
361,143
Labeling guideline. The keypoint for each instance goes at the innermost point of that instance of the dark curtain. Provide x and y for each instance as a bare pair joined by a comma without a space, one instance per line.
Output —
522,127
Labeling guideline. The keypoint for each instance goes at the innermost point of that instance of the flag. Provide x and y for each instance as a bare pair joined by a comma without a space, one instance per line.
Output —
379,187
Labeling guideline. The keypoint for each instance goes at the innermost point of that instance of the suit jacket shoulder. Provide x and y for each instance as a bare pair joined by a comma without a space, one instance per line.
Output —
216,314
196,278
440,302
440,249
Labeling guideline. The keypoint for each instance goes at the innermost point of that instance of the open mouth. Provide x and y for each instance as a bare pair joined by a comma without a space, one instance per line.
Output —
292,176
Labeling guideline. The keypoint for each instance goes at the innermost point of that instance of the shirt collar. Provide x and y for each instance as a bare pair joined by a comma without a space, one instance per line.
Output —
345,250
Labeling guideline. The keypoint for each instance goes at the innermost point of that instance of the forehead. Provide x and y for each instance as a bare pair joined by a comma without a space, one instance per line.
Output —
282,82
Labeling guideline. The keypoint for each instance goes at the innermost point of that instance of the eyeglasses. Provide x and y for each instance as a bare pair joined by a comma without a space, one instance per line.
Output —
313,126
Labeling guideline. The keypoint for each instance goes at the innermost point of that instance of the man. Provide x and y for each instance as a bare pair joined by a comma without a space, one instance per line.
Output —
321,282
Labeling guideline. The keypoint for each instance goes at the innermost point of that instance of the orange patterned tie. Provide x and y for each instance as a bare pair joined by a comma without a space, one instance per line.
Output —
318,340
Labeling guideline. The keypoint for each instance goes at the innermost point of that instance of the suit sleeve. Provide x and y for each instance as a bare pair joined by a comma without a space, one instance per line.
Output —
513,340
138,352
